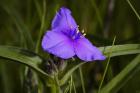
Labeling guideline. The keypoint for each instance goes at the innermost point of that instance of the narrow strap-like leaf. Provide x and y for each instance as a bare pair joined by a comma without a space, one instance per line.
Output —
118,50
23,57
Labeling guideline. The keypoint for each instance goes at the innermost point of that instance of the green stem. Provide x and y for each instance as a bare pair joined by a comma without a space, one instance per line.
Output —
53,88
56,86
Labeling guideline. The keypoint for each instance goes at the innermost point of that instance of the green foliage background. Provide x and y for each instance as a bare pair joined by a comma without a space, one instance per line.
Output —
23,23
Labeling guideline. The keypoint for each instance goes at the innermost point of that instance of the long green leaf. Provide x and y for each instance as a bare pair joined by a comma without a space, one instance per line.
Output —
23,57
127,73
118,50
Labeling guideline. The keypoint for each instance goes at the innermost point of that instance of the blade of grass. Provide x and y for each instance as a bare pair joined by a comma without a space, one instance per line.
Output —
66,89
70,84
42,27
6,82
69,73
98,15
73,84
120,80
82,80
74,88
133,9
100,86
39,10
29,2
118,50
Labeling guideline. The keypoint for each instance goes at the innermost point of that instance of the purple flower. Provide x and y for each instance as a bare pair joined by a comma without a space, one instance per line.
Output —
65,41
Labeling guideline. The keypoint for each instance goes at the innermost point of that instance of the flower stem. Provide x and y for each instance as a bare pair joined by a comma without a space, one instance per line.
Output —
55,88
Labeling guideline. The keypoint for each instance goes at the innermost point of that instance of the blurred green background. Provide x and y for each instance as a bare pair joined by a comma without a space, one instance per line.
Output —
102,20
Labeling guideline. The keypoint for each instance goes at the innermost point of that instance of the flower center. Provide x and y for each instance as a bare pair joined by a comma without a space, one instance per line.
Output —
76,34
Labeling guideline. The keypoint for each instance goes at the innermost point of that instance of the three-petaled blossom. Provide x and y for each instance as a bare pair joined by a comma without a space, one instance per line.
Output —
65,41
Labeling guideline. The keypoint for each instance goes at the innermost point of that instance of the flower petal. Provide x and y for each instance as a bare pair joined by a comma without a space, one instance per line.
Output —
63,19
58,44
86,51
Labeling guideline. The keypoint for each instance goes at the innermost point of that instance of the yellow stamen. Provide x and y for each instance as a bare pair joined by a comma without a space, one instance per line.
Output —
83,31
84,34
